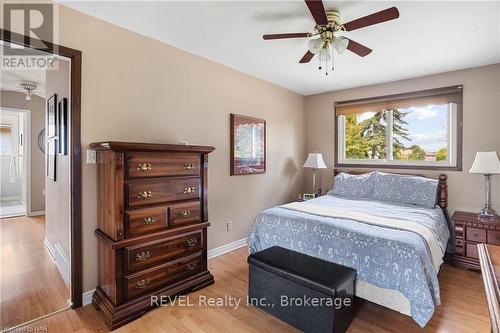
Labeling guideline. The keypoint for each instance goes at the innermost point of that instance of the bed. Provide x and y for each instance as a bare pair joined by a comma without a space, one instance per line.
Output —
397,248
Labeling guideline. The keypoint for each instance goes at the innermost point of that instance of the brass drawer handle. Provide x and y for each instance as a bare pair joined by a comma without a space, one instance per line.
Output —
191,266
184,213
149,220
144,195
475,235
144,166
188,166
191,242
142,284
142,256
189,189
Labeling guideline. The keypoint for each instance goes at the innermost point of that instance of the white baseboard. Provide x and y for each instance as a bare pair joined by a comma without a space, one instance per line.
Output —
39,213
87,297
226,248
218,251
62,262
49,248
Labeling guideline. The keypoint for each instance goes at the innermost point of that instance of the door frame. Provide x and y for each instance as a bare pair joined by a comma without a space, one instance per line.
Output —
75,163
26,153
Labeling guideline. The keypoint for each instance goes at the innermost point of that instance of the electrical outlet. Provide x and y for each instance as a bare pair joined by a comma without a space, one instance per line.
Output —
91,156
229,225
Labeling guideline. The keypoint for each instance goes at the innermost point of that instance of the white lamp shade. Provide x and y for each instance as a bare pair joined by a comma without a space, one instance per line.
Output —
340,44
486,162
315,45
315,161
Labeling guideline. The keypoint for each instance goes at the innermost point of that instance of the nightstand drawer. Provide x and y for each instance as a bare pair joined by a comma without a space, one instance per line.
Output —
471,250
476,235
493,237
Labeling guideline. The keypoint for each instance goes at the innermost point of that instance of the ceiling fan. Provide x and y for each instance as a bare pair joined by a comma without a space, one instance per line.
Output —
327,24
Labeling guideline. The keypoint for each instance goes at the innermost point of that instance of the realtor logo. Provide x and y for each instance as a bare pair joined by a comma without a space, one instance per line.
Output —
28,24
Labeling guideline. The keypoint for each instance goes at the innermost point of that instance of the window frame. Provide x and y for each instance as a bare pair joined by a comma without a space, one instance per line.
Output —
456,123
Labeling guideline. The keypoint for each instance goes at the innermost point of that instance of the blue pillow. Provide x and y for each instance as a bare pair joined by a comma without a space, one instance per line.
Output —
405,189
354,186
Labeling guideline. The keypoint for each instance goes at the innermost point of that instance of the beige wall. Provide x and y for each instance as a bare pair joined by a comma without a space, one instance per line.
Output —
138,89
481,123
57,211
16,100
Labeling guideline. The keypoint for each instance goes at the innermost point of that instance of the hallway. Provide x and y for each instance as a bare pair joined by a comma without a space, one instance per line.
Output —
31,283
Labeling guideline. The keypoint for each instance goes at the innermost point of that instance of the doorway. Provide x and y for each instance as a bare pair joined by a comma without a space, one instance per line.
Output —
35,193
14,162
72,275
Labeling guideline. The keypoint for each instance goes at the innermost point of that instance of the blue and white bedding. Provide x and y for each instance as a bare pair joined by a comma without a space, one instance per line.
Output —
384,257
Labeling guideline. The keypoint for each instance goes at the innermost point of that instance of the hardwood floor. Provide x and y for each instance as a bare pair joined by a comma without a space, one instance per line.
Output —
30,284
463,310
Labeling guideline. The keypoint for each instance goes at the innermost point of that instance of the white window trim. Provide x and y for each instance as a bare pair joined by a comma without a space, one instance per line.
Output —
450,162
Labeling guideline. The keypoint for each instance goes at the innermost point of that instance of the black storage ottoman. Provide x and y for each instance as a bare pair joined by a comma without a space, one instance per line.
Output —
308,293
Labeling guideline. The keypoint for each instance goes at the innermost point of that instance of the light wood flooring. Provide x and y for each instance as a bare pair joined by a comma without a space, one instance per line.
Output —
463,310
30,284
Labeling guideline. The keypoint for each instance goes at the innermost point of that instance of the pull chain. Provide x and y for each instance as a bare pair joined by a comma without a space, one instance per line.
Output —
326,60
333,62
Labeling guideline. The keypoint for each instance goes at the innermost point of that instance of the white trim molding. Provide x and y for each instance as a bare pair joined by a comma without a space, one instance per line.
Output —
218,251
87,297
226,248
62,262
39,213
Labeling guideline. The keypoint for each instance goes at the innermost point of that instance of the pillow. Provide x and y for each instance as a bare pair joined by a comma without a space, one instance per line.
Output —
405,189
354,186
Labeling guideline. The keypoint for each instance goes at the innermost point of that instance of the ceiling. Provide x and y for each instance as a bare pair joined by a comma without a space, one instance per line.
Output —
10,80
429,37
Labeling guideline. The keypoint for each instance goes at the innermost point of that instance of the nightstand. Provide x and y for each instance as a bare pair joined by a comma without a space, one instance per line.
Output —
470,230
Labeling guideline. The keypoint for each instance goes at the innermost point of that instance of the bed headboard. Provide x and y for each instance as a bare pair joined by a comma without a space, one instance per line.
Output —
442,191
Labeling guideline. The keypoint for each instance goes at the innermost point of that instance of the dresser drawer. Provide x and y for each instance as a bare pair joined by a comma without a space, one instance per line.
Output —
149,192
162,164
184,213
145,221
471,250
140,256
159,276
476,235
494,237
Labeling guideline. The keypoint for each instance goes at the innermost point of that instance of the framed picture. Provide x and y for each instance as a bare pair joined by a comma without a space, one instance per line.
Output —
248,145
51,156
62,126
51,116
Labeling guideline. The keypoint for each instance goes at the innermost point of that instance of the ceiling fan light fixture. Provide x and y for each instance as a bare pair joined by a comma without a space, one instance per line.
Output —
340,44
29,89
315,45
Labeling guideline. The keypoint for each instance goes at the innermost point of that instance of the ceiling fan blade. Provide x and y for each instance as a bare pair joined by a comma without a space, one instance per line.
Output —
317,11
307,57
375,18
288,35
357,48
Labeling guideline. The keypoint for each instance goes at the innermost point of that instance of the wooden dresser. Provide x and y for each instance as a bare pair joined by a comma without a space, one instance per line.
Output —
469,232
152,225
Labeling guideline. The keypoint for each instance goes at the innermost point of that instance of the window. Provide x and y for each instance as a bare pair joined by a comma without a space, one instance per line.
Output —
418,130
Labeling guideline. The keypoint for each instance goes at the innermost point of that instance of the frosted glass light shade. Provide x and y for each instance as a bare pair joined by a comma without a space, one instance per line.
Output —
486,162
315,45
340,44
315,161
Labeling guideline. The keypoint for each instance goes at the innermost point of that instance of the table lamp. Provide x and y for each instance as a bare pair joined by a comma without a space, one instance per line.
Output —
315,162
486,163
